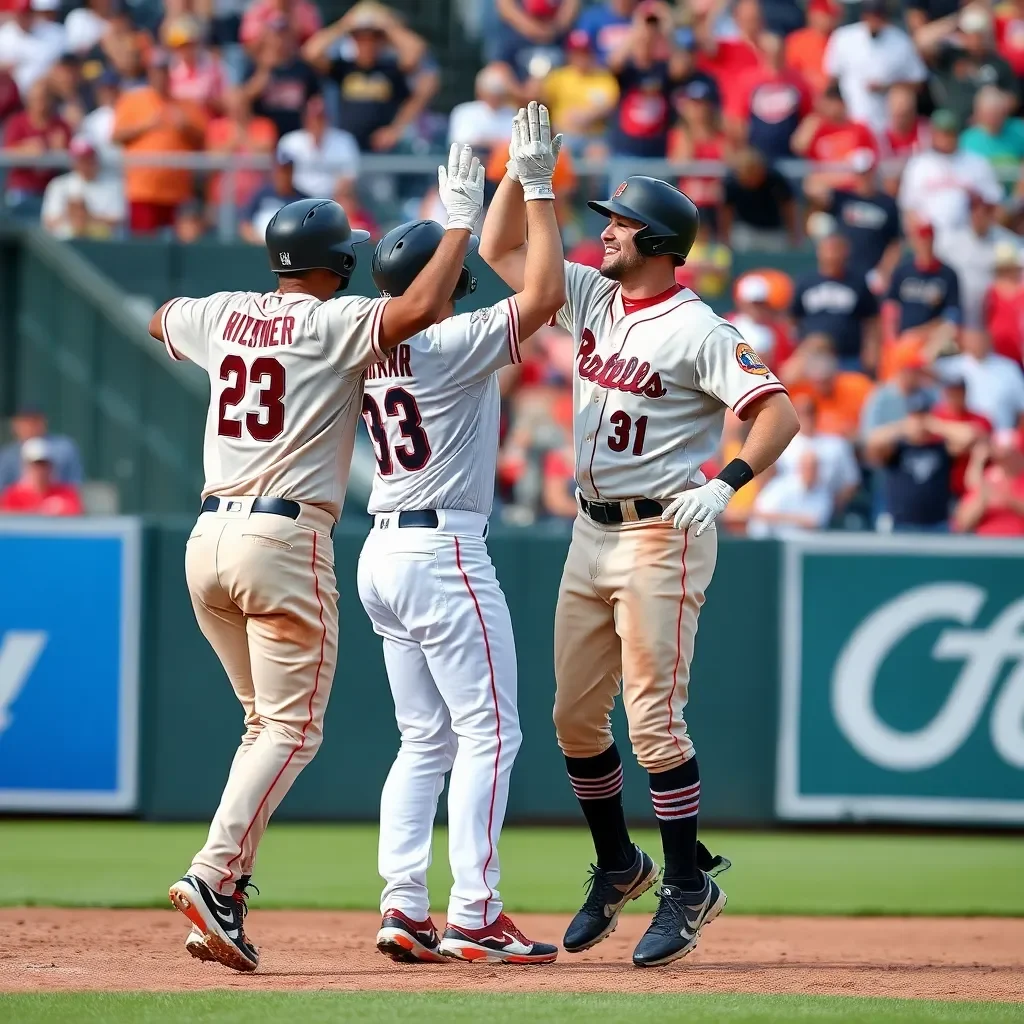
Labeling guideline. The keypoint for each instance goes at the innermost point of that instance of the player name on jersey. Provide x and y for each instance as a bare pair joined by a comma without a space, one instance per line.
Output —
255,332
629,375
396,365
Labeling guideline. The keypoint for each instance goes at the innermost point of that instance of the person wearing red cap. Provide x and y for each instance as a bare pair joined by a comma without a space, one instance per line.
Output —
101,195
805,48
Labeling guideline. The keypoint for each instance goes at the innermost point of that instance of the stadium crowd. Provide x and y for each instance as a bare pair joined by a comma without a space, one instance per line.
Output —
902,346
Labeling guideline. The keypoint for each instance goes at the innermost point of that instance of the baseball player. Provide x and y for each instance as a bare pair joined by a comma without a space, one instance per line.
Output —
286,376
428,585
655,369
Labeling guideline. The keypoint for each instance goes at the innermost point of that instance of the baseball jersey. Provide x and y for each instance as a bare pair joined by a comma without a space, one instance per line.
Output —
431,409
286,380
651,387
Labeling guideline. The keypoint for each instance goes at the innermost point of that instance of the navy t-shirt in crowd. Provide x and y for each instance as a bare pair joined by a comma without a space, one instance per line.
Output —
775,111
284,96
759,207
368,98
644,113
837,307
925,295
869,223
917,484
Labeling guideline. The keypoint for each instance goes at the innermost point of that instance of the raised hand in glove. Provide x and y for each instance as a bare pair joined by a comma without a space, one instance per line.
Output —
461,187
513,144
536,152
699,507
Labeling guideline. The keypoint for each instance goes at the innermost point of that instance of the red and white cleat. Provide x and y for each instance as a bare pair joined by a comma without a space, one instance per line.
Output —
499,943
407,941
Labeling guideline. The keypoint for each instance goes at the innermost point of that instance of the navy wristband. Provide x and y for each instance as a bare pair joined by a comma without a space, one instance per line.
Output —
736,474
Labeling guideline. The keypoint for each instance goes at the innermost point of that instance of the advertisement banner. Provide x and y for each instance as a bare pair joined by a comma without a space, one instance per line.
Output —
902,670
69,664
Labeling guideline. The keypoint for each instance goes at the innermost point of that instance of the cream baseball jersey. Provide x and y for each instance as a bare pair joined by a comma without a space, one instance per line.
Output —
431,409
286,380
651,387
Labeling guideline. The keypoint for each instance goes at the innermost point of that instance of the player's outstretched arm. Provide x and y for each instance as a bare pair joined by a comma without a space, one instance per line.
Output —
461,188
503,238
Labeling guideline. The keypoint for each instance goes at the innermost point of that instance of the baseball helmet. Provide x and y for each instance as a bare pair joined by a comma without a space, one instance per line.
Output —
313,234
669,218
404,251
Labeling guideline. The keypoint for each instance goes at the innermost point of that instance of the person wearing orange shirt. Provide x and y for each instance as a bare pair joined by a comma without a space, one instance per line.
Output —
805,48
37,493
239,133
148,120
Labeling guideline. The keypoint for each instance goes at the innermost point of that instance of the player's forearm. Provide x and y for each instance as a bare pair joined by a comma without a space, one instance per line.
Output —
503,236
543,291
774,425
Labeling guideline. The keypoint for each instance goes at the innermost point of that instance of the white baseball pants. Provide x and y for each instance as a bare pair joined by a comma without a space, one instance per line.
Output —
433,596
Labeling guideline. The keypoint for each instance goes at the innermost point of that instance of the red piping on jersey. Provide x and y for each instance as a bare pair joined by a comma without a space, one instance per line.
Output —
171,351
514,309
679,645
305,727
634,305
497,716
769,387
375,326
597,429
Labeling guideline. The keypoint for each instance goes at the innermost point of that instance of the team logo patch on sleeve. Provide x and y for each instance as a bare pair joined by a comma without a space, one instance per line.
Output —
484,314
750,361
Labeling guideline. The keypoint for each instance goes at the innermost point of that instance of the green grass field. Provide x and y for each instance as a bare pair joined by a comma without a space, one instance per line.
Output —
126,864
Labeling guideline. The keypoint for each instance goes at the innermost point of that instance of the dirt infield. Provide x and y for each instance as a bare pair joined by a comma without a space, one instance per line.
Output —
976,958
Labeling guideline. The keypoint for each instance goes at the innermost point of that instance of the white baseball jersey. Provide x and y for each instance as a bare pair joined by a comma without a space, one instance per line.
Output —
651,388
431,409
286,379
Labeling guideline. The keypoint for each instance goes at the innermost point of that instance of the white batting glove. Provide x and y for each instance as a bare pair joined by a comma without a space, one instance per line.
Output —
536,153
513,145
699,507
461,188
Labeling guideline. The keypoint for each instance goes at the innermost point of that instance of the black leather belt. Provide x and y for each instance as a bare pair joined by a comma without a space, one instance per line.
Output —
271,506
424,517
609,513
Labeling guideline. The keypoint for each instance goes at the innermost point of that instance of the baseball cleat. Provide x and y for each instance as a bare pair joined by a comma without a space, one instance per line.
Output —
609,892
675,929
195,945
219,919
499,943
407,941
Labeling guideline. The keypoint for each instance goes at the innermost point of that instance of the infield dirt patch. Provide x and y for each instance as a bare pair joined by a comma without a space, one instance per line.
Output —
118,950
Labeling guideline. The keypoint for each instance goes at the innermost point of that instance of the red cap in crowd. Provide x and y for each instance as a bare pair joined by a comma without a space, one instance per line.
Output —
545,9
81,147
831,7
579,39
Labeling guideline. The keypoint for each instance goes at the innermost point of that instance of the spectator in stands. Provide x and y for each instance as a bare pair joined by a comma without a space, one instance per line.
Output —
1003,308
867,58
993,134
261,17
867,218
581,95
827,135
319,152
936,183
770,102
835,300
148,120
759,324
994,503
197,75
759,211
28,423
889,402
708,268
995,384
37,492
964,59
486,121
32,132
123,50
607,23
915,455
100,195
31,42
726,59
646,65
277,82
70,95
918,13
190,223
906,132
98,124
84,26
805,48
239,133
699,136
952,408
839,395
971,251
924,293
790,503
386,84
1009,34
10,99
526,25
268,200
347,194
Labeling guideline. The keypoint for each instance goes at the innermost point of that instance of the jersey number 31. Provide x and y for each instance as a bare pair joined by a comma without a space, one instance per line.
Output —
414,453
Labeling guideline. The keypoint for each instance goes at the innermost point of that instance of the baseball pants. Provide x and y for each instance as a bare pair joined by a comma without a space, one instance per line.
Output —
265,597
433,596
627,610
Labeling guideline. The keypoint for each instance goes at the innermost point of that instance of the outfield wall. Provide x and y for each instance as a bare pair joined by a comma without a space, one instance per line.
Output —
839,678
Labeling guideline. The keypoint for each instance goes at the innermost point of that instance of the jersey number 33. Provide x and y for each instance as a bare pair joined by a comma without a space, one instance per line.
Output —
414,451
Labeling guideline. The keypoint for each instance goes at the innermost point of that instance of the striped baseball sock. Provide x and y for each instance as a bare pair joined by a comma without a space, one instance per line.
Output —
676,798
597,783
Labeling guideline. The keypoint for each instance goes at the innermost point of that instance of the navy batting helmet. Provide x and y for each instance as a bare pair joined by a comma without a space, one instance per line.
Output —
669,218
404,251
313,234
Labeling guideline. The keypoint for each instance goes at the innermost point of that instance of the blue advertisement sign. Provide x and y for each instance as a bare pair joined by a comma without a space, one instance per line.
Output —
902,680
69,664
